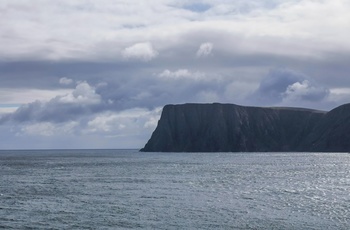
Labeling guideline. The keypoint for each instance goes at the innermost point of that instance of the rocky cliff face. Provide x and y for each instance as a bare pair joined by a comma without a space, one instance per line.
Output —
232,128
332,133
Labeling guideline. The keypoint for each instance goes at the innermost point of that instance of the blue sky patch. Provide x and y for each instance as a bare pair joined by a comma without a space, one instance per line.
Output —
198,7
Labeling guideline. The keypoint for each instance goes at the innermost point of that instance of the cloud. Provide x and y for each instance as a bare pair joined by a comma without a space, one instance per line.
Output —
115,95
83,94
197,7
27,95
124,123
108,129
339,95
181,73
273,86
305,91
289,88
58,30
205,49
48,129
66,81
82,100
140,51
69,61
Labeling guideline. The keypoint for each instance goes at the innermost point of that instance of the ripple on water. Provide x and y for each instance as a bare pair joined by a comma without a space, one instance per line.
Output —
126,189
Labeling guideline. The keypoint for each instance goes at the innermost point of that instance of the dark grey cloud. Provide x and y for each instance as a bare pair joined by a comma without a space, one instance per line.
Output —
287,87
273,86
46,74
118,91
120,94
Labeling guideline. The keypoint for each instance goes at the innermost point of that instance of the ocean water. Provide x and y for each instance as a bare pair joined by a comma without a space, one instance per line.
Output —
126,189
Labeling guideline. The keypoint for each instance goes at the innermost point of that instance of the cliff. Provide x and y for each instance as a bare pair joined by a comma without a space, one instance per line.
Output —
233,128
332,133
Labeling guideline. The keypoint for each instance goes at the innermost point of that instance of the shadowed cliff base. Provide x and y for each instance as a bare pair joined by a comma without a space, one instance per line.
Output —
233,128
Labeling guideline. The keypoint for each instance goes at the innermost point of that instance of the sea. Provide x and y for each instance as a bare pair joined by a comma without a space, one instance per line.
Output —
128,189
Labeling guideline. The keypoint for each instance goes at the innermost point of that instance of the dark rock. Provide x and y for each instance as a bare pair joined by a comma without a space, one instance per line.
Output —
233,128
332,132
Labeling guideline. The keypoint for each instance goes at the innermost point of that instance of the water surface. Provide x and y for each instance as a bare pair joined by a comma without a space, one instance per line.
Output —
121,189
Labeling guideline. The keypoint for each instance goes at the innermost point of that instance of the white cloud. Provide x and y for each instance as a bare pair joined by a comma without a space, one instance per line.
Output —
65,81
140,51
104,123
25,95
82,94
127,122
8,109
339,95
101,30
304,90
285,87
205,49
180,74
124,129
152,122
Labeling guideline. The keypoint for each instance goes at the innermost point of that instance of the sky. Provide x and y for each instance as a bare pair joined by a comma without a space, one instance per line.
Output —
96,74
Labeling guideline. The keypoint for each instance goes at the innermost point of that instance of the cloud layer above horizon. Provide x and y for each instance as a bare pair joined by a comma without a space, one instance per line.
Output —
88,74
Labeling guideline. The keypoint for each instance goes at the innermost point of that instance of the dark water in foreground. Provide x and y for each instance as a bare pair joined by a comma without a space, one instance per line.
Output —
121,189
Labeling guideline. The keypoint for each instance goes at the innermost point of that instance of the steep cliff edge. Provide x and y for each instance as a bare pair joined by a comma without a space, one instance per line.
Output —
233,128
331,133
